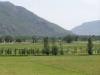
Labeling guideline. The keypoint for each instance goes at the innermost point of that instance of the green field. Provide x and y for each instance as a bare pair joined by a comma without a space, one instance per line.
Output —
50,65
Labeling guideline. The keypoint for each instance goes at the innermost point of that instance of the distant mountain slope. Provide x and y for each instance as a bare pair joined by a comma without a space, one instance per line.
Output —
88,28
16,20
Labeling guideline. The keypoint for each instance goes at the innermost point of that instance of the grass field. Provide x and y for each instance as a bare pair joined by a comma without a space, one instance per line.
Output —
50,65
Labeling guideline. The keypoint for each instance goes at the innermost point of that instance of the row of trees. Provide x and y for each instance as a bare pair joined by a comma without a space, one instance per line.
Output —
55,48
41,52
9,39
28,52
46,50
34,39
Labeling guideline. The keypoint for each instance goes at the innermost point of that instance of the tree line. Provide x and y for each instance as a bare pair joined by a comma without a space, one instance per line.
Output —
67,39
54,50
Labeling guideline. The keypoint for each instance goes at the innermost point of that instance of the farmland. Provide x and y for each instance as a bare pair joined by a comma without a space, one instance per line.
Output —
68,48
50,65
70,63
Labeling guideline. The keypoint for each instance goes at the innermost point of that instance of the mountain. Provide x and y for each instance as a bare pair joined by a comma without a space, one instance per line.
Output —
88,28
18,21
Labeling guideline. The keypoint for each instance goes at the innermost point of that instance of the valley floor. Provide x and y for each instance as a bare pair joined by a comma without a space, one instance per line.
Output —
50,65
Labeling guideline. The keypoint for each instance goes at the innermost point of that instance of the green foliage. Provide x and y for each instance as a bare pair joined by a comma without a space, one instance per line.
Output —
75,48
18,40
68,39
8,38
46,49
34,39
61,52
54,50
1,40
76,38
90,46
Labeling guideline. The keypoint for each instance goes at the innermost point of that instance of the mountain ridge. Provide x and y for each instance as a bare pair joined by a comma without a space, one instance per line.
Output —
17,20
88,28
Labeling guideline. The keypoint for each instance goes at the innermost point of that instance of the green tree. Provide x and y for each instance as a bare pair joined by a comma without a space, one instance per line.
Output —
1,39
46,49
68,39
8,38
18,40
90,46
76,38
54,50
34,39
54,47
61,47
61,52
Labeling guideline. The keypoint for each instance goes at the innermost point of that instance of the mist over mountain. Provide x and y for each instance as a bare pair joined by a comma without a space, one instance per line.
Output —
18,21
88,28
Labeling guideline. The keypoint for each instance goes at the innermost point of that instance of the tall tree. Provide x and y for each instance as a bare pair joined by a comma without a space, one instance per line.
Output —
1,39
90,46
34,39
61,47
54,47
76,38
46,49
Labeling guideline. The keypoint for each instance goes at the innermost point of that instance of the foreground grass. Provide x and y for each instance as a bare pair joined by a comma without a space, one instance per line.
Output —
50,65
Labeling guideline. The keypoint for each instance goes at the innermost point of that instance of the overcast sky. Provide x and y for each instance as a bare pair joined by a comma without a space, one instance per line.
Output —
66,13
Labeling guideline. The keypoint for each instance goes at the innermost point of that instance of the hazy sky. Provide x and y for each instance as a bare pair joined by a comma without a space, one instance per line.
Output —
66,13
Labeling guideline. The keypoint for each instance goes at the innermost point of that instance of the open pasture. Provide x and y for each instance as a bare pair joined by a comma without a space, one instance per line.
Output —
50,65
